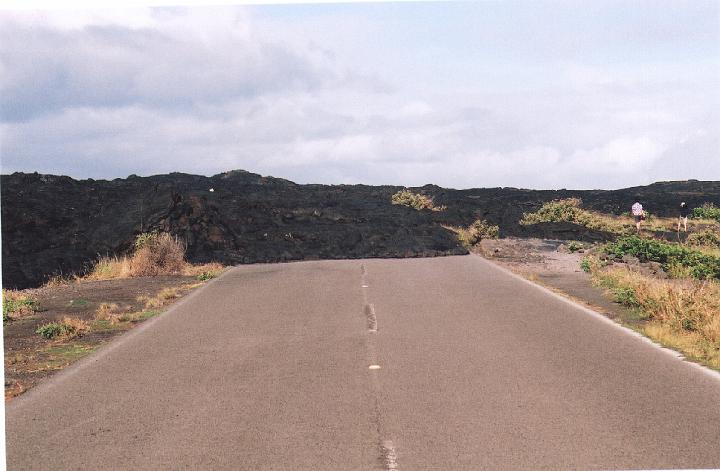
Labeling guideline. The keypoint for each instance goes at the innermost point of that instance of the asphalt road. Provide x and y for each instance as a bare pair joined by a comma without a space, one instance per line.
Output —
267,368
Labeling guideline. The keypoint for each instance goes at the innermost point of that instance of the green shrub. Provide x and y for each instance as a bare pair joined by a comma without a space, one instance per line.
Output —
701,266
206,275
586,265
415,201
677,271
625,296
570,210
67,327
706,211
574,246
16,303
52,329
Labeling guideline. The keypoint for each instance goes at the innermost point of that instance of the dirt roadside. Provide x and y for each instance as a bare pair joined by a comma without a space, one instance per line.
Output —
122,303
553,264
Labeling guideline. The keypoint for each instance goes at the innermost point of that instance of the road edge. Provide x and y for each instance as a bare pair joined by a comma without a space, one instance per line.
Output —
600,316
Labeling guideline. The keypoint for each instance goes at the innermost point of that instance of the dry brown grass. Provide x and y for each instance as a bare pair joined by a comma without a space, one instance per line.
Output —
155,254
161,255
164,297
110,312
110,268
15,388
683,314
167,294
213,269
78,326
150,302
707,250
58,280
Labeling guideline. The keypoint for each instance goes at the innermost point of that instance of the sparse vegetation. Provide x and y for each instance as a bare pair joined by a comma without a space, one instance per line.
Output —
151,302
110,315
155,254
706,211
110,268
574,246
78,302
205,271
707,238
168,293
109,312
477,231
15,304
415,201
165,296
683,314
53,339
68,327
56,357
570,210
58,280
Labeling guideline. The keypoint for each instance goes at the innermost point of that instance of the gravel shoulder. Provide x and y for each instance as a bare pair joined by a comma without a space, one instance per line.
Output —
551,264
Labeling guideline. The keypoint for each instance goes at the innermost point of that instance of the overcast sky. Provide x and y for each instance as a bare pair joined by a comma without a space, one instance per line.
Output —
474,94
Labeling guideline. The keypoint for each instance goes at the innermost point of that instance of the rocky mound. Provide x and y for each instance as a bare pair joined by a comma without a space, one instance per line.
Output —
55,225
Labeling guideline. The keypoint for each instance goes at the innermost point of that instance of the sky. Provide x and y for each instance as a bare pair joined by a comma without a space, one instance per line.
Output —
532,94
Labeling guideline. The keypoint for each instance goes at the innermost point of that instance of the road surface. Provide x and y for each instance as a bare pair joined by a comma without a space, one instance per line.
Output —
417,364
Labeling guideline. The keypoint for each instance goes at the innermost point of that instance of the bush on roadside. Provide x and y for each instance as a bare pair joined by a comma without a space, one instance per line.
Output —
205,276
109,268
68,327
570,210
155,254
16,304
415,201
477,231
700,265
204,272
110,312
158,254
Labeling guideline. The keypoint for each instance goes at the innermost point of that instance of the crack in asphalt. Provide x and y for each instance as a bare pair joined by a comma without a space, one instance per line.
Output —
388,457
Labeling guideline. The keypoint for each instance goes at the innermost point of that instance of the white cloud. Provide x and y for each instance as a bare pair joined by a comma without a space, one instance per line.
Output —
178,60
327,99
622,156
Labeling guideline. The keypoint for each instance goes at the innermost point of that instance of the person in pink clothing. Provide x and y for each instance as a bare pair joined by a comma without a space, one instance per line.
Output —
639,214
